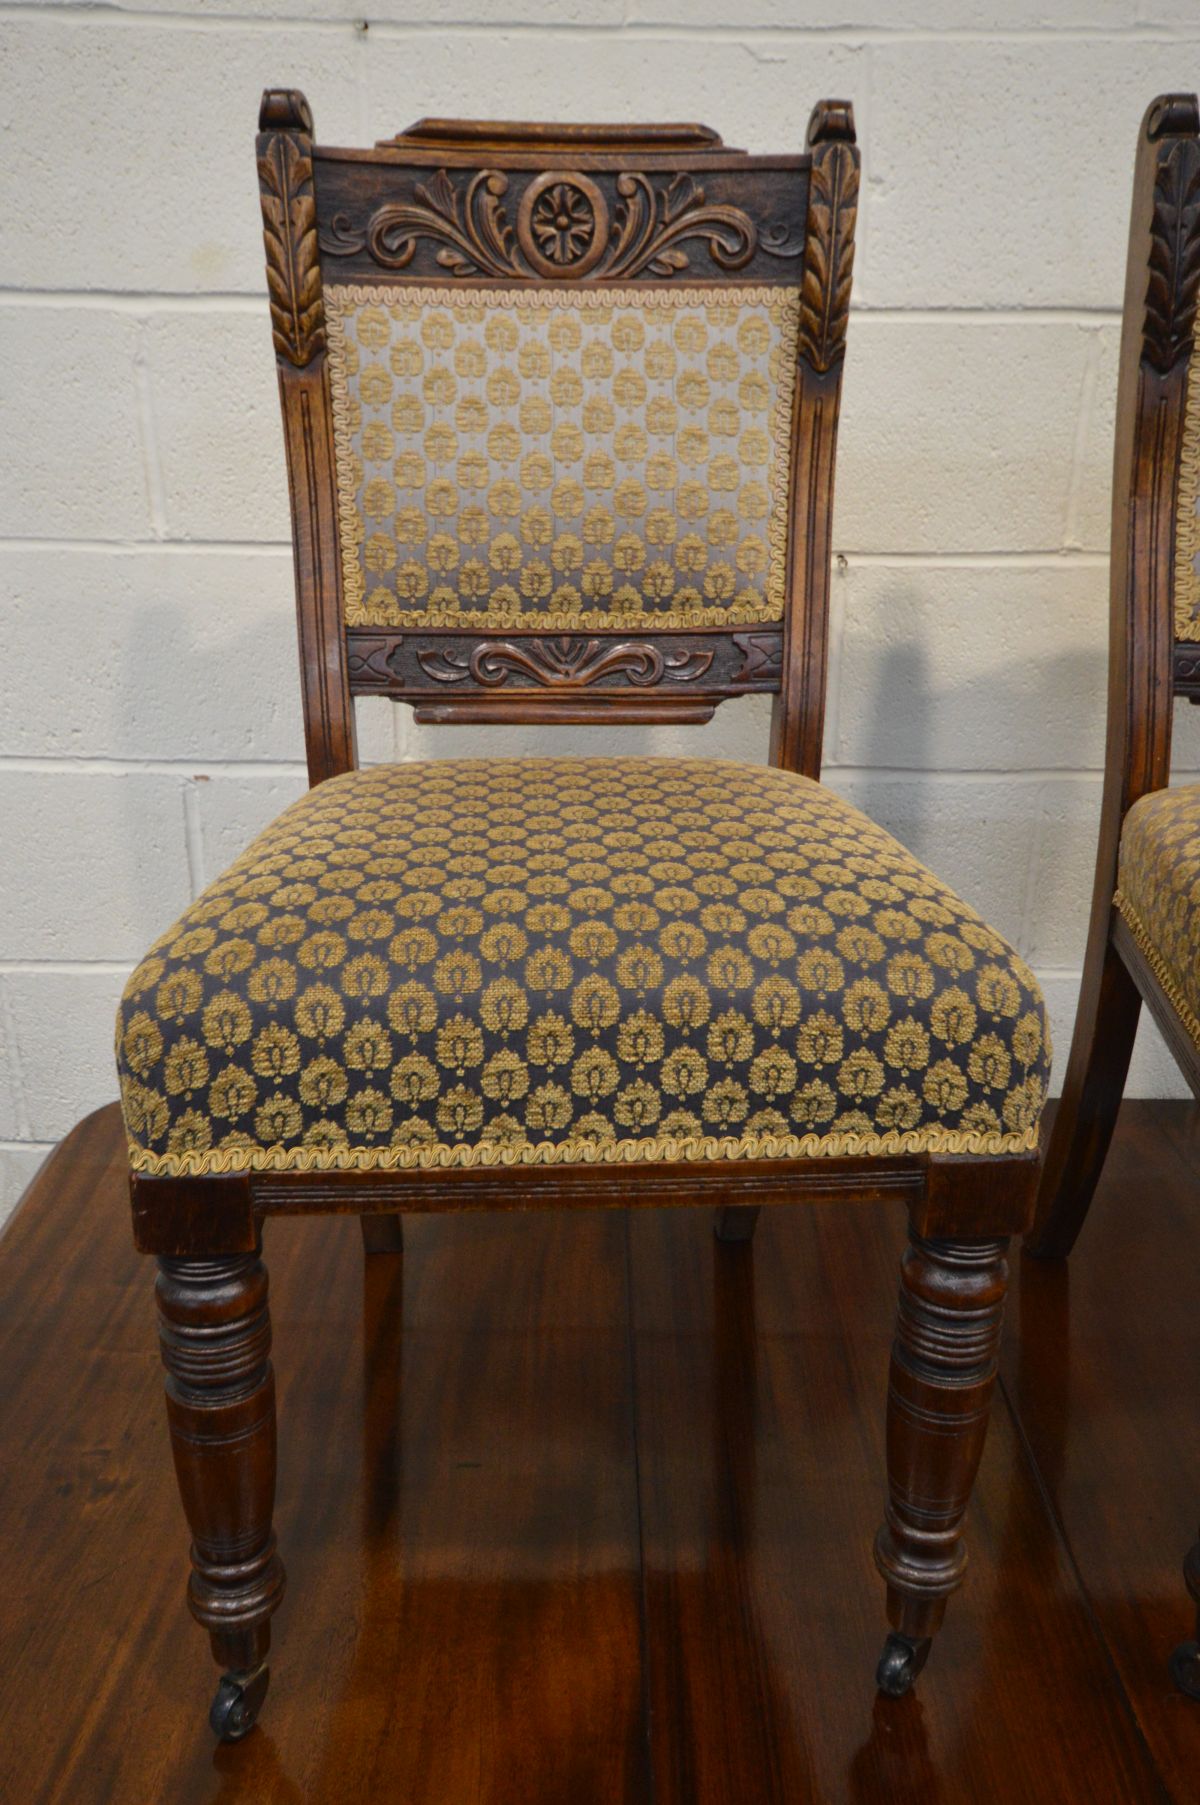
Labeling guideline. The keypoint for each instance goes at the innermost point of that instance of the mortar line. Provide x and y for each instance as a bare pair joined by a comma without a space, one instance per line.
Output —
253,300
1048,557
260,25
23,968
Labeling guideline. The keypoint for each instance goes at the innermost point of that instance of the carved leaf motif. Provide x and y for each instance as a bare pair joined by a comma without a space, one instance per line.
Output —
1171,292
829,259
440,196
473,232
563,663
290,236
649,227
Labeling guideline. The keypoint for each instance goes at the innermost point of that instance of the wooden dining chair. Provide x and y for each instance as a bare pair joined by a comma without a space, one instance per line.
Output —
1144,935
560,407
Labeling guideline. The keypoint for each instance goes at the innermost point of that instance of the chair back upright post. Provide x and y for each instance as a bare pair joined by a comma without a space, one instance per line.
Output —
560,409
1149,658
1162,276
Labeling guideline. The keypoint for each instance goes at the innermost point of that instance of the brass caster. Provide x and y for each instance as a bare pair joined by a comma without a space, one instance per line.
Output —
900,1663
238,1702
1185,1668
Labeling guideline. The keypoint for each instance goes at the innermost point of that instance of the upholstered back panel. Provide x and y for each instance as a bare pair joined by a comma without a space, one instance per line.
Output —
1187,520
561,409
565,457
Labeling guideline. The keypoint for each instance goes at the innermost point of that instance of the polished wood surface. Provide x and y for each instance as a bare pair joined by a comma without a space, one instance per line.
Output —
578,1507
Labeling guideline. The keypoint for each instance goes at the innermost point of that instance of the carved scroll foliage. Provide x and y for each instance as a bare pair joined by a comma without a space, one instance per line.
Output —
564,663
829,256
650,225
290,233
563,228
1174,260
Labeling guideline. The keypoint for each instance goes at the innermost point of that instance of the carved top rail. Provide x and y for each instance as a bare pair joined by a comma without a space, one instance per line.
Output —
523,203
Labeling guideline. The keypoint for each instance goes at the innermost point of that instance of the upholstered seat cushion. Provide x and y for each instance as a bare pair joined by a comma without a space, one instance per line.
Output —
1158,892
546,960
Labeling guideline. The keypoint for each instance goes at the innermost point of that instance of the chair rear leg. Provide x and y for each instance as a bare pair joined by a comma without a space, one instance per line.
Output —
382,1234
737,1222
215,1332
942,1375
1185,1662
1101,1048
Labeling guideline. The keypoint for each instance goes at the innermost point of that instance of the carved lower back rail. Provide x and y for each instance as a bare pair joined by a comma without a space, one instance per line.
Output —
581,676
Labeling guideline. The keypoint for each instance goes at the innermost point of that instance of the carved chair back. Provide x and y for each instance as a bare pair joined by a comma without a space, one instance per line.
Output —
560,407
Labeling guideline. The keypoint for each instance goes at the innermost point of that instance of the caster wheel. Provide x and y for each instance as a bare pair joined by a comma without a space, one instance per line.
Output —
237,1704
1185,1668
900,1663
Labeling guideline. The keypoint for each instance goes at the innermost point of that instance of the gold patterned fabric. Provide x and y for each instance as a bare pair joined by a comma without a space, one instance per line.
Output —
1187,517
1158,892
468,963
589,456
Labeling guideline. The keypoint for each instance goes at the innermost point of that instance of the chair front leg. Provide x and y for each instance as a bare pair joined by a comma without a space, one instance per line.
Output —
382,1234
1185,1662
736,1222
215,1332
943,1372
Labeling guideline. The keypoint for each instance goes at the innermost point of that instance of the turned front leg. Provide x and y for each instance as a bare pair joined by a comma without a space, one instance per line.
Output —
942,1375
215,1332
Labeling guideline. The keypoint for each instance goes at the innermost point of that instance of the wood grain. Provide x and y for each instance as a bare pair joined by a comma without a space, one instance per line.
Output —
761,1433
1102,1374
469,1433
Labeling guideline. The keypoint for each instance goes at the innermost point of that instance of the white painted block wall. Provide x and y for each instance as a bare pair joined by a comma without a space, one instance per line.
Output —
149,714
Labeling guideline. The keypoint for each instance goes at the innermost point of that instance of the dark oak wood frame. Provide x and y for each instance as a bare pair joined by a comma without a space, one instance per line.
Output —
1147,669
796,214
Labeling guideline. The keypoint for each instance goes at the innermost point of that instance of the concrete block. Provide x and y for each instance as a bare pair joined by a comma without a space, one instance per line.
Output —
757,94
63,1022
971,667
380,725
19,1166
990,182
218,426
71,460
1062,866
183,655
95,867
1185,743
231,808
153,189
957,436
